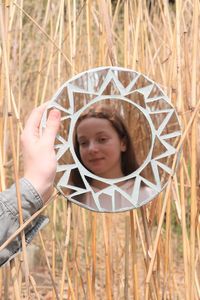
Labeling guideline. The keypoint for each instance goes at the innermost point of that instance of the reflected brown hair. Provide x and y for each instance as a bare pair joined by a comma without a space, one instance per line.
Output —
128,158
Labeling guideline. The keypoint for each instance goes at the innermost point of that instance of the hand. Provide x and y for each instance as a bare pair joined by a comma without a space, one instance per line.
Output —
38,151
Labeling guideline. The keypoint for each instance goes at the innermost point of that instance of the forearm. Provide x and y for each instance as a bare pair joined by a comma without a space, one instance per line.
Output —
9,216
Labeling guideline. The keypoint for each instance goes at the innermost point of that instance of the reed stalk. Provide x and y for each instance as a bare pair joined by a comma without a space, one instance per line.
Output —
107,258
54,246
134,257
127,259
94,249
185,235
87,261
14,279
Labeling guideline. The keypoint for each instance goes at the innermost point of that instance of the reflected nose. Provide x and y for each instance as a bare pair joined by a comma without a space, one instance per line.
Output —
93,147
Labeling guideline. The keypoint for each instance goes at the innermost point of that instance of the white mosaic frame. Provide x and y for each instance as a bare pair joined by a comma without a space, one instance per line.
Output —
92,85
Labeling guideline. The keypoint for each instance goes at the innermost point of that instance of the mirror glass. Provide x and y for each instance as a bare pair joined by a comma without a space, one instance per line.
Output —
117,139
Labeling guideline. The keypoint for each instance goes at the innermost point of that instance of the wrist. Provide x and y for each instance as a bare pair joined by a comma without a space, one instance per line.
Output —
44,189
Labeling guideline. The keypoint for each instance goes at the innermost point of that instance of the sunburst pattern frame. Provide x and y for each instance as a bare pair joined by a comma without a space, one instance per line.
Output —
121,84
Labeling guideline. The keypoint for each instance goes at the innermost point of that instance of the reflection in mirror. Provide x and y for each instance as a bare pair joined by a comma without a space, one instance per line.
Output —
128,122
103,143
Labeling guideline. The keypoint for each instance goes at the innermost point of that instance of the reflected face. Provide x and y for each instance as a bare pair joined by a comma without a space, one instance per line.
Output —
100,147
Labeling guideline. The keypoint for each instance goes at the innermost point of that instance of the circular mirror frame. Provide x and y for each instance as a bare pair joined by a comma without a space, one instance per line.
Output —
110,76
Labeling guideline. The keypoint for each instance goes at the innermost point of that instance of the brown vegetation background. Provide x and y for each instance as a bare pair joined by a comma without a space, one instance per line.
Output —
149,253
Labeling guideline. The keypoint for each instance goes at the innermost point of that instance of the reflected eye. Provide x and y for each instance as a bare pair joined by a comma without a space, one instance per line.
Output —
83,143
102,140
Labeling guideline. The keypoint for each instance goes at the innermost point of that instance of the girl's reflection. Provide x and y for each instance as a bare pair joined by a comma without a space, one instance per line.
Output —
103,145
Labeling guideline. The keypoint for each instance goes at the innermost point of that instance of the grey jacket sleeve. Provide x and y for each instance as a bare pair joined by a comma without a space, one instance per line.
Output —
9,217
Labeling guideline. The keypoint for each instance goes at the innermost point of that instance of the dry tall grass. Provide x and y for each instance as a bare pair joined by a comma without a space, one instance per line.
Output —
149,253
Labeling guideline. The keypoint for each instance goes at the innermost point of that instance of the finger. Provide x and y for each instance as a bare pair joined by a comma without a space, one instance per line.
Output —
33,122
52,126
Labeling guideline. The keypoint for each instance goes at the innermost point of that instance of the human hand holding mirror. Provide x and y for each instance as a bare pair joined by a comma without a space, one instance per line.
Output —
108,117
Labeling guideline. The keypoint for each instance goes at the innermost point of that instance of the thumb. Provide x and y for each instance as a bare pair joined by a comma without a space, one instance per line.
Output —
52,126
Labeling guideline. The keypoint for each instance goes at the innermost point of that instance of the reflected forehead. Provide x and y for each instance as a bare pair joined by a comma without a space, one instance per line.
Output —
94,126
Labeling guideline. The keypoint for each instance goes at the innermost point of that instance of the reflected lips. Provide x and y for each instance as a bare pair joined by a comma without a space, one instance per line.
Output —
95,160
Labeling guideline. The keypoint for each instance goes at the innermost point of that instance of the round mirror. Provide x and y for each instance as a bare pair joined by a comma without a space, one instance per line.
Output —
117,139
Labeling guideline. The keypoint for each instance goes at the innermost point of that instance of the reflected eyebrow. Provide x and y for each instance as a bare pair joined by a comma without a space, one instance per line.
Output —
82,137
96,134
